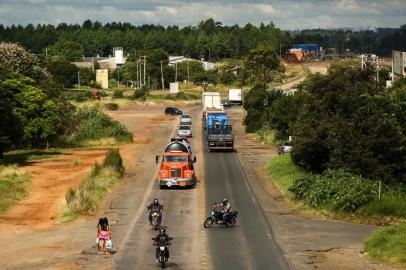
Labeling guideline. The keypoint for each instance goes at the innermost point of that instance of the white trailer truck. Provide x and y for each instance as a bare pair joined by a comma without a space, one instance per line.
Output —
235,96
211,100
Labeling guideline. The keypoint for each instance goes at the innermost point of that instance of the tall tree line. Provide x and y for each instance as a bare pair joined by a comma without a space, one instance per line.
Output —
380,41
209,39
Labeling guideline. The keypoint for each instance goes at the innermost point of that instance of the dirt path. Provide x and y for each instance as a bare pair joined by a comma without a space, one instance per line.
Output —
308,242
314,67
35,240
50,179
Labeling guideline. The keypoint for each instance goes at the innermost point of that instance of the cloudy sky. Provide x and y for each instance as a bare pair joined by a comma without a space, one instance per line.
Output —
286,14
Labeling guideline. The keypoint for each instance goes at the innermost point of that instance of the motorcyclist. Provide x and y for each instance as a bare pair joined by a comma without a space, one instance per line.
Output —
155,206
164,238
225,210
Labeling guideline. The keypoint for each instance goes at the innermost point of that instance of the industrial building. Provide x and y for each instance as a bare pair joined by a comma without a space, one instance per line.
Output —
302,52
180,59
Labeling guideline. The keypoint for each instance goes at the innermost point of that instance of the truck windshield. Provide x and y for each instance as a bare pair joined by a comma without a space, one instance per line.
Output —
176,159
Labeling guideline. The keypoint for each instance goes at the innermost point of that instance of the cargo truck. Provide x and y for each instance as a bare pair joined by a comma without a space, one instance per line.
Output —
218,131
235,96
176,166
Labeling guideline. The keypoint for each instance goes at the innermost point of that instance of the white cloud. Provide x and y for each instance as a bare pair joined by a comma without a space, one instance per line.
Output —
287,14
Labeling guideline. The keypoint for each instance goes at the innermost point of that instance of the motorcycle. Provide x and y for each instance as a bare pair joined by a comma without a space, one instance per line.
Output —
161,253
155,220
216,218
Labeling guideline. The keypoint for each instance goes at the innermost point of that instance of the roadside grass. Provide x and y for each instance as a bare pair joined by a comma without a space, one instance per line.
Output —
390,204
284,172
23,156
13,186
293,71
84,199
122,103
182,95
388,245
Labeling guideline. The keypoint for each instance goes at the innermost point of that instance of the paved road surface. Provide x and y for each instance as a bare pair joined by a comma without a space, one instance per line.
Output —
180,215
249,245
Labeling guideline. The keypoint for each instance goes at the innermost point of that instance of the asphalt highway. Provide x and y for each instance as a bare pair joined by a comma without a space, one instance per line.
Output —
249,245
180,216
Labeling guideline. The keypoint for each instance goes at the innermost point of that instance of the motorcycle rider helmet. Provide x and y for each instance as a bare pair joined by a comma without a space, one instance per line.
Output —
156,201
162,231
225,201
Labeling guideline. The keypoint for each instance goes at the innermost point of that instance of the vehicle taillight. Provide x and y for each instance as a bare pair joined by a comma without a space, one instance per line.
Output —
211,143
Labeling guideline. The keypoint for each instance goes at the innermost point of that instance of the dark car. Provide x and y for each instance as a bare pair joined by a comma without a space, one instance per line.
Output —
173,111
226,104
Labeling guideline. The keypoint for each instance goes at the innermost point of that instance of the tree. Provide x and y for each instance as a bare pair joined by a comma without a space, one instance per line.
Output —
19,60
10,126
63,72
66,49
349,122
262,65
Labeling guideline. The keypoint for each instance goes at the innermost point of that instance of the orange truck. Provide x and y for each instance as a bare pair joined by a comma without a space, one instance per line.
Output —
176,166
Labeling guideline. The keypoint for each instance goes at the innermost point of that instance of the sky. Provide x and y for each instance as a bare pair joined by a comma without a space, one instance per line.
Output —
286,14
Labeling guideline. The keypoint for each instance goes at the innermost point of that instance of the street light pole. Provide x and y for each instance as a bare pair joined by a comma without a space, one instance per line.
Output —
162,75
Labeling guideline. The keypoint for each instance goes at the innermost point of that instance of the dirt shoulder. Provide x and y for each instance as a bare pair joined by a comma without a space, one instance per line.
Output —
308,242
36,241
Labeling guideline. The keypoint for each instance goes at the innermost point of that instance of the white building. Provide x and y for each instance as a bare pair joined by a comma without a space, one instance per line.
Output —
180,59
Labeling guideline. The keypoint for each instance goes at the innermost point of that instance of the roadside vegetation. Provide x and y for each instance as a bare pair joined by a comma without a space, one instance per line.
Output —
84,199
94,127
349,135
13,186
339,193
388,245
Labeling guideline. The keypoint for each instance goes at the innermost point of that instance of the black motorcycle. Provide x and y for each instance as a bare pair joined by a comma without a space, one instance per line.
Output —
162,246
216,218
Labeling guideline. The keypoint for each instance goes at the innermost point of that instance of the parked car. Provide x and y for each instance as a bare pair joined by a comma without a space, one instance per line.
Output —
226,104
173,111
285,147
185,131
185,119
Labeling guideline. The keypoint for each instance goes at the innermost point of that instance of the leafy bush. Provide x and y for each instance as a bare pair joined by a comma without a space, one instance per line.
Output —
94,124
118,93
140,93
111,106
337,190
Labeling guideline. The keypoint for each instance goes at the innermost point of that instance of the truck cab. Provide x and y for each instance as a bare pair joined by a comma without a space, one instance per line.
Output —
176,166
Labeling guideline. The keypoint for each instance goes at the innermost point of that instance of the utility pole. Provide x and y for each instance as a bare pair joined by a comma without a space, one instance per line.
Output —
140,72
187,67
78,79
209,55
280,50
162,75
176,71
145,62
118,78
136,74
